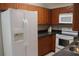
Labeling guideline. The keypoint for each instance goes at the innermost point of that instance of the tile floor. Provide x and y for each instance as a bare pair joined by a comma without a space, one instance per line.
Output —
52,53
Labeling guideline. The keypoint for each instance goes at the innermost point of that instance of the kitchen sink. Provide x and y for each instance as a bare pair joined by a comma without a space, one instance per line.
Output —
74,48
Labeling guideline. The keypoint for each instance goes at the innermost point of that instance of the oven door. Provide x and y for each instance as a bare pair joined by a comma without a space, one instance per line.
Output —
63,43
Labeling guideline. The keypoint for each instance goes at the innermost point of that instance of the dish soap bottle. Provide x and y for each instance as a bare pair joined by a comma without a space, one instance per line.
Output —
50,30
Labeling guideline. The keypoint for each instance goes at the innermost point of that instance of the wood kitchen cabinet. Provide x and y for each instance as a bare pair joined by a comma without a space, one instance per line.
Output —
53,42
55,17
57,11
76,17
43,16
44,45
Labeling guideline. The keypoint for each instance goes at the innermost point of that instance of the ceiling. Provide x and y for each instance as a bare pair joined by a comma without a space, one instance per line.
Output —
51,5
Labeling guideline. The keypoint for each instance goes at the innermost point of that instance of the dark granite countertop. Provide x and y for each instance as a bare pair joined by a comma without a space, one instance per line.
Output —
66,52
45,33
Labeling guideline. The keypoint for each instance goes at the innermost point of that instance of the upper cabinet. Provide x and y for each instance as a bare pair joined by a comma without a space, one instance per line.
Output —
54,17
76,17
57,11
43,16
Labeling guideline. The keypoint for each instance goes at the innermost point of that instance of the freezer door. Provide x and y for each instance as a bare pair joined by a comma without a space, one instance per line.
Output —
13,32
20,35
18,48
17,17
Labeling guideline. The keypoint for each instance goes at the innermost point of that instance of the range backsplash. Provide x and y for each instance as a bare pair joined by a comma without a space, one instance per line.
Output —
42,27
67,27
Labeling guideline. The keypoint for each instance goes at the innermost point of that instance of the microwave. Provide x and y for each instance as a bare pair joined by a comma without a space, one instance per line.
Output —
66,18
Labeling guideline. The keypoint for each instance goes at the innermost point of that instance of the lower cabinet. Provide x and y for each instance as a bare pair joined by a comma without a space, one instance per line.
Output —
53,42
46,44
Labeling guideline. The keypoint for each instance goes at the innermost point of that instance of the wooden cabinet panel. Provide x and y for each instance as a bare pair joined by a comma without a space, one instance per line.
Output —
76,17
3,6
53,42
50,16
67,9
44,45
57,11
43,16
55,16
46,16
40,16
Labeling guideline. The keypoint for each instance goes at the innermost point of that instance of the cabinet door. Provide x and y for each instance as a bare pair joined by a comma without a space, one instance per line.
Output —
76,17
53,40
46,15
44,45
55,17
42,16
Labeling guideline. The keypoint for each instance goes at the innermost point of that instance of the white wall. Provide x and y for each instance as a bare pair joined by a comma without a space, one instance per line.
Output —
51,5
38,4
56,5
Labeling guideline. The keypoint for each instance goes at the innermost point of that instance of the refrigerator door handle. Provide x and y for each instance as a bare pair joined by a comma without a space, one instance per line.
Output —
25,22
25,26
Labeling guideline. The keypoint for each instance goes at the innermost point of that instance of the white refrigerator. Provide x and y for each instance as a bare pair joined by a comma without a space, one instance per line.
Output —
19,32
